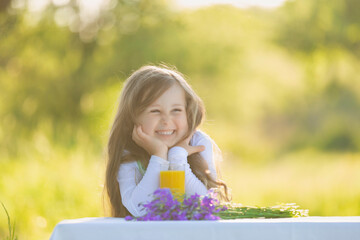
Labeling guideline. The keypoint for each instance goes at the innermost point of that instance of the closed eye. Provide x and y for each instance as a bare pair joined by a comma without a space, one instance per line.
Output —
177,110
155,111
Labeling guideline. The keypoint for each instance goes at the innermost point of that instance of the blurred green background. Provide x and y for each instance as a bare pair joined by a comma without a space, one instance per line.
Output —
281,87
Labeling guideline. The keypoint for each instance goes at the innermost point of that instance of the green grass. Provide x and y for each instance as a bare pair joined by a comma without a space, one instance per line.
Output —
326,184
41,191
11,227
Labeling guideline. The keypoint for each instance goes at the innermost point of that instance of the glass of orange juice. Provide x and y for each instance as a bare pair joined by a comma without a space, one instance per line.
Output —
174,179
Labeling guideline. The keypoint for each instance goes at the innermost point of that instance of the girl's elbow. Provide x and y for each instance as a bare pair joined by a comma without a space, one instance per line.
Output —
133,208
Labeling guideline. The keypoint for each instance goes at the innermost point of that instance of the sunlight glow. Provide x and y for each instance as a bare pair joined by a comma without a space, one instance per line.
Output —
237,3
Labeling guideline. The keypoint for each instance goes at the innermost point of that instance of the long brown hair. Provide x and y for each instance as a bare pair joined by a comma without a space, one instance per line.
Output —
141,89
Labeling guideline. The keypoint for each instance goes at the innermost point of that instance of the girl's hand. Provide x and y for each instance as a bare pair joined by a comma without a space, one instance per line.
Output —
151,144
190,149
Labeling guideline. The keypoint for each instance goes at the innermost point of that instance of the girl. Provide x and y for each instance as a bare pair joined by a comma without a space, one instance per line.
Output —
155,125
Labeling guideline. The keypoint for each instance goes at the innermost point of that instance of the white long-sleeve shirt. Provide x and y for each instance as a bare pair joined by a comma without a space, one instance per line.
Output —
136,188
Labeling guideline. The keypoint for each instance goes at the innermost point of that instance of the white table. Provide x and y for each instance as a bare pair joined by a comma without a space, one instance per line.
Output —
319,228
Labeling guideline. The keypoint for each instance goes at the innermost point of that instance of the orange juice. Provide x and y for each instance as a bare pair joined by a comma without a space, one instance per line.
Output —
175,180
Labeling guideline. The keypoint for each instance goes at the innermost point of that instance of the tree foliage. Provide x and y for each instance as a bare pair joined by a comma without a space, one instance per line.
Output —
57,65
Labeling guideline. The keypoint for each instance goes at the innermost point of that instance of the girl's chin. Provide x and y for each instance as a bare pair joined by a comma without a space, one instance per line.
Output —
170,141
169,144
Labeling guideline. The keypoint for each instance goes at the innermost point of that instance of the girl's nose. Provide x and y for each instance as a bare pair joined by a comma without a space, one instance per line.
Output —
165,119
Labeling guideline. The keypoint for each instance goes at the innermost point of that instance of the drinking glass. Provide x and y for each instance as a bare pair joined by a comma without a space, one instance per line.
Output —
173,178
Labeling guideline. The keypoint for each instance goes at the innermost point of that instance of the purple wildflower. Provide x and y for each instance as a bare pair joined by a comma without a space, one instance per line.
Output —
181,216
211,217
129,218
165,207
197,216
166,215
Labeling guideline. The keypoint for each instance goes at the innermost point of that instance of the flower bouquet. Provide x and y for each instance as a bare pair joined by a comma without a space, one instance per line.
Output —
165,207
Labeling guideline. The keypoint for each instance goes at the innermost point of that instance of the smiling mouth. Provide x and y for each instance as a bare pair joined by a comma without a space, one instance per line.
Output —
165,132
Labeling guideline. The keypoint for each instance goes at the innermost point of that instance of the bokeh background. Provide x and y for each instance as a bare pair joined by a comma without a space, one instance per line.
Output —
281,87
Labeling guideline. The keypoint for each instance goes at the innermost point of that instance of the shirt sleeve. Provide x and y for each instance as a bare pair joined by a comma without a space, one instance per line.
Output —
133,193
200,138
179,155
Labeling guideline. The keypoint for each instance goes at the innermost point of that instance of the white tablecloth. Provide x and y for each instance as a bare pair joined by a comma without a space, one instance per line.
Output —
319,228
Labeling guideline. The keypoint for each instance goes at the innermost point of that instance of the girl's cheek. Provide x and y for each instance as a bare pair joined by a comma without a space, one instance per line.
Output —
151,124
183,123
185,120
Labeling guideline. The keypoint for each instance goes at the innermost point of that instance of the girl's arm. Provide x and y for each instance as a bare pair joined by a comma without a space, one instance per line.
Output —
179,155
133,193
211,153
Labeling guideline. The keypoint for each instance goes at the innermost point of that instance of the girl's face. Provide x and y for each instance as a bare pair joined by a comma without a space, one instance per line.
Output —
165,119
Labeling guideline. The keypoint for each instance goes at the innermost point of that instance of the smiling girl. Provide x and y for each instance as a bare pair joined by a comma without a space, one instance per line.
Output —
155,125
